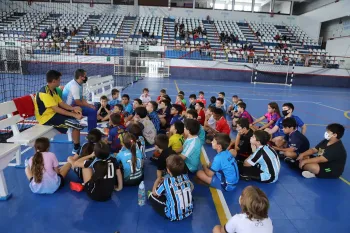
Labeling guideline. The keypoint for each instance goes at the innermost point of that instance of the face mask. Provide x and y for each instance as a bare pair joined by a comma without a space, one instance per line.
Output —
85,80
327,136
285,112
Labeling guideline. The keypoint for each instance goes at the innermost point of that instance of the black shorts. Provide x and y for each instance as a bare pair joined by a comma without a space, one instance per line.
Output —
326,172
58,122
96,193
61,184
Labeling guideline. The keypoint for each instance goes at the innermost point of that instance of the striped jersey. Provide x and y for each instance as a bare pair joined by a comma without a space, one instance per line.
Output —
266,159
178,193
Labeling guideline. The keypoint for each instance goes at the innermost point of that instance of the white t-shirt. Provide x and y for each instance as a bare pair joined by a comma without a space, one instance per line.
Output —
145,98
212,122
240,223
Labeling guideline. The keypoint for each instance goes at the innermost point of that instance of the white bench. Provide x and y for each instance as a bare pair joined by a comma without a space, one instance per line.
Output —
26,137
100,86
8,151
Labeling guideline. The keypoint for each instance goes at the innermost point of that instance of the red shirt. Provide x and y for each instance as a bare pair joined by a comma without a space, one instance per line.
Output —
222,126
203,101
201,117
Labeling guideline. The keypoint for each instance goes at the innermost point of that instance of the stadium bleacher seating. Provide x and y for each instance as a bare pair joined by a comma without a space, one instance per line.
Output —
116,30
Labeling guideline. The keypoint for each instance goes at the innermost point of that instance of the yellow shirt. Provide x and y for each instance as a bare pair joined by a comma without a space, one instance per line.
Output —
176,141
45,99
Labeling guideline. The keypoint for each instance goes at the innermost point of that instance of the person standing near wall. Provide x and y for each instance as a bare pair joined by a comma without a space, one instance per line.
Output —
73,95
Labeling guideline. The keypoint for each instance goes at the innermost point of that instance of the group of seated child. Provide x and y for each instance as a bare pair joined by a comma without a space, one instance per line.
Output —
178,130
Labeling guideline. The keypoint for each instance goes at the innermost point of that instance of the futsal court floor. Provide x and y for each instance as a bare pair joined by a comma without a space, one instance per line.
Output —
296,204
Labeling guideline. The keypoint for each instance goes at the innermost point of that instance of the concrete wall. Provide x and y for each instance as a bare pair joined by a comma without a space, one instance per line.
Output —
311,22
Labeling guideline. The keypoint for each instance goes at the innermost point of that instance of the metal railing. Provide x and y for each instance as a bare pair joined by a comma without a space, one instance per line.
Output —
142,67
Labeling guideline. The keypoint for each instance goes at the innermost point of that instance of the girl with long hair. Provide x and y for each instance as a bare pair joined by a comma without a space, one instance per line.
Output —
100,172
130,158
272,115
43,173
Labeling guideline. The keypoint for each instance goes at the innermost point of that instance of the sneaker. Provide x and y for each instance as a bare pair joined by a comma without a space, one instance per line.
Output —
74,124
308,174
244,177
289,160
74,186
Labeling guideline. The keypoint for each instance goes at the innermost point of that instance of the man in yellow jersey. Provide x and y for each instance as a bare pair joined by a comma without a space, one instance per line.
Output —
51,110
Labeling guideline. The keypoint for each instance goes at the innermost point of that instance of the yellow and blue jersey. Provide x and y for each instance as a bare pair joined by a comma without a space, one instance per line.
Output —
45,99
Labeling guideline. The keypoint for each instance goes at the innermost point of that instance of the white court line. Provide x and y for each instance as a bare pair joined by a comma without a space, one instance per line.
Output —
221,196
266,88
318,103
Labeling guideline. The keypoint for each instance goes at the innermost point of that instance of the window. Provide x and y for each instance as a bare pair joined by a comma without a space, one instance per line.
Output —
204,4
243,5
238,7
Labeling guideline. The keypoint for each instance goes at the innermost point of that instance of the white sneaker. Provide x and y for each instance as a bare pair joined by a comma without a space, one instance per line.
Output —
308,174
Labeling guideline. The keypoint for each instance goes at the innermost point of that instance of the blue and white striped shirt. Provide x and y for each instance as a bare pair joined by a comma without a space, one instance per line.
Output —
178,193
267,159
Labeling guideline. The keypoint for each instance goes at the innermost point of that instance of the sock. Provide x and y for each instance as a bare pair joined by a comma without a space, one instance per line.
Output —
76,146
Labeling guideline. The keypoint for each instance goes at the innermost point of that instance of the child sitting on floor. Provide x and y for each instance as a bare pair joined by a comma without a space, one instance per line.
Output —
201,113
94,136
179,101
119,109
168,198
193,101
145,97
272,115
183,100
264,164
149,132
278,136
223,173
176,111
242,147
115,98
330,155
161,145
131,161
152,114
115,133
43,173
253,217
192,146
176,139
192,114
212,101
233,108
201,98
101,174
241,110
210,122
296,142
164,108
162,93
103,109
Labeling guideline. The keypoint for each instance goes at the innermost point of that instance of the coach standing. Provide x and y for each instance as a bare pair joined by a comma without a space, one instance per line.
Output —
73,95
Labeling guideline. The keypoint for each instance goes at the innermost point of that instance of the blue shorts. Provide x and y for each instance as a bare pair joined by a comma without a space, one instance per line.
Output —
278,134
216,183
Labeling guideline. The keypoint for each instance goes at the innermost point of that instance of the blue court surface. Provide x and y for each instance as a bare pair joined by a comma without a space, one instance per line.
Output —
296,204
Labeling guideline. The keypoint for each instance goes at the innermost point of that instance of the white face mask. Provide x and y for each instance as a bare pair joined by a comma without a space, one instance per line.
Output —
327,136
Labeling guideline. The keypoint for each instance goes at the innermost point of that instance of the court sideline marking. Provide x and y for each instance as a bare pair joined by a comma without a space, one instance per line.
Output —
220,204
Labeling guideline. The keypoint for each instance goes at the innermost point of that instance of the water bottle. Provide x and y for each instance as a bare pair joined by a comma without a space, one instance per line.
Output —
141,194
